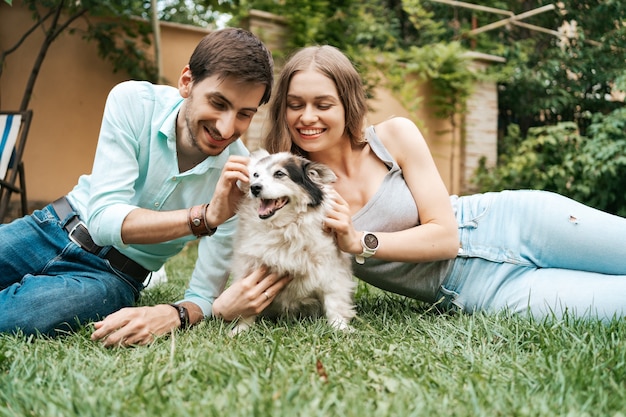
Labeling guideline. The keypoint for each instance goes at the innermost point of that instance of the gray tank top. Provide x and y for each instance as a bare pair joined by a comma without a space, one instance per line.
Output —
393,208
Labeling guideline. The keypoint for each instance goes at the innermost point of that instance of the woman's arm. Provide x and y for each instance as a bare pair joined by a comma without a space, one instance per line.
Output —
436,237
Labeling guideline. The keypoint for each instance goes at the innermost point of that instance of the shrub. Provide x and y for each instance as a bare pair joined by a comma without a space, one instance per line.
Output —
590,169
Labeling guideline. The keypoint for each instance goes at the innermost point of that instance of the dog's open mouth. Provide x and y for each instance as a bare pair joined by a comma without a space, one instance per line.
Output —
269,207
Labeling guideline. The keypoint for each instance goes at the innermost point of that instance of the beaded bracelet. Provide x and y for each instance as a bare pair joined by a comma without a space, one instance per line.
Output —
196,219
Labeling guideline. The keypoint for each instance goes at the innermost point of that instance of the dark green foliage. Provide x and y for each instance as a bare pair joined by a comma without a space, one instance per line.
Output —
440,64
590,169
546,79
120,45
546,82
346,24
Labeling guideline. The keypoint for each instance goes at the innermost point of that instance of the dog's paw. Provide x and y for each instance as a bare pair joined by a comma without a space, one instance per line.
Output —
341,324
242,326
238,329
348,329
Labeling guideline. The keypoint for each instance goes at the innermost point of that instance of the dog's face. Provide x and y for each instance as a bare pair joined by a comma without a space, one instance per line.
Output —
284,180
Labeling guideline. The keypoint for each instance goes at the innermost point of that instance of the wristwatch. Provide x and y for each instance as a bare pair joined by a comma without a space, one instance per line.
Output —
183,315
369,242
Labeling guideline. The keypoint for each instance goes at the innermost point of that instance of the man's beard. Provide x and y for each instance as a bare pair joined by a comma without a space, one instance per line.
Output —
192,136
212,132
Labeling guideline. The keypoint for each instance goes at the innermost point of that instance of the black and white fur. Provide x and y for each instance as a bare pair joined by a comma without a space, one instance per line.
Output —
280,226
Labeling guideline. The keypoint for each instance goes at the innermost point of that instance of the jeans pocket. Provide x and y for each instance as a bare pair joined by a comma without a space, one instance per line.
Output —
474,209
128,280
448,300
44,216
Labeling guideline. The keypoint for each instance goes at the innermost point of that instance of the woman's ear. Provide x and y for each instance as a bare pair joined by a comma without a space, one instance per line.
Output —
185,82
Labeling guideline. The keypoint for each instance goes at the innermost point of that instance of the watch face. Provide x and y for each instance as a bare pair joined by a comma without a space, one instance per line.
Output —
371,241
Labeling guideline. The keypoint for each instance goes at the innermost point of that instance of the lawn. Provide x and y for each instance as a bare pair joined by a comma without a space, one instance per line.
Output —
403,359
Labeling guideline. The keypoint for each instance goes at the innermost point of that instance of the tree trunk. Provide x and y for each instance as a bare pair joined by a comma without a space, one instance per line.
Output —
51,34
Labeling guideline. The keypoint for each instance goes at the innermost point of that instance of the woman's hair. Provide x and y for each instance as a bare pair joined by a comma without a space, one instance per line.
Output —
233,52
332,63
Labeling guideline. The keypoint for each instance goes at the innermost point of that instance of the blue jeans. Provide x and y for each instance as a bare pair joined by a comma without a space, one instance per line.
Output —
537,253
49,285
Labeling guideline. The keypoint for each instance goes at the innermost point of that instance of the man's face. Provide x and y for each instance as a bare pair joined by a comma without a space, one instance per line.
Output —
217,111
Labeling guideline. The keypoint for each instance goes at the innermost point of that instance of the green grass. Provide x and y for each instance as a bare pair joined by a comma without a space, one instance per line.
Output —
402,360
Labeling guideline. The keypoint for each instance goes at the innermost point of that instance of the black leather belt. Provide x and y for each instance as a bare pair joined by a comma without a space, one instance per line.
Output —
78,233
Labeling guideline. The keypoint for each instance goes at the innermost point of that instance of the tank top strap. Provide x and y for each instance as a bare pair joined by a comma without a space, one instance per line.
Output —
379,149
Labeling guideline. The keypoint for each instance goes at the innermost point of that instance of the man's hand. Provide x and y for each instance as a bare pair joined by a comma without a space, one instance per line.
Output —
249,295
136,325
227,194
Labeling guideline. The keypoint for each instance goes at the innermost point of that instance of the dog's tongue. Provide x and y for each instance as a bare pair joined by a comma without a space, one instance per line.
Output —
266,208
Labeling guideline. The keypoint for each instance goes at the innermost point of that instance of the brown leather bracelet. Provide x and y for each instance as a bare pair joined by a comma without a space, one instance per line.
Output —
196,219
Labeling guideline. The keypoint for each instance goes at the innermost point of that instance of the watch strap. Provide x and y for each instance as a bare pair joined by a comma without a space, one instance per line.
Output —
367,252
183,315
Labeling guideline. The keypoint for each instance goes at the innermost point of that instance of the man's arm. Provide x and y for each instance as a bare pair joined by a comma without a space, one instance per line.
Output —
204,297
143,226
140,325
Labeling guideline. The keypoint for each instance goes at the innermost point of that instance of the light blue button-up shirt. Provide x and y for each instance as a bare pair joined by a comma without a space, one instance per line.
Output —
136,166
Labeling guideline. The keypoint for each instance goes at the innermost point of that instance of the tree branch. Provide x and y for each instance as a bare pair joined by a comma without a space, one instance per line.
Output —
20,41
51,34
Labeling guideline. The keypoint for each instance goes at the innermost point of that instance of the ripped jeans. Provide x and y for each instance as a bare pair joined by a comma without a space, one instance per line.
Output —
537,253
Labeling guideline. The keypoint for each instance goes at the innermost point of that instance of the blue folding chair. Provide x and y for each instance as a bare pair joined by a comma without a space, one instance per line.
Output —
14,127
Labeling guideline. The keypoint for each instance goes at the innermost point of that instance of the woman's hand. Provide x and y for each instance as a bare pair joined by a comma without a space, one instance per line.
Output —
338,221
249,296
227,193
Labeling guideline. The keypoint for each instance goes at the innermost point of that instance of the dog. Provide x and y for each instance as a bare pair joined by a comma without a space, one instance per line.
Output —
280,227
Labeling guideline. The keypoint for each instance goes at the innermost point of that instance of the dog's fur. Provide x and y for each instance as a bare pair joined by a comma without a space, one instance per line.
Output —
280,226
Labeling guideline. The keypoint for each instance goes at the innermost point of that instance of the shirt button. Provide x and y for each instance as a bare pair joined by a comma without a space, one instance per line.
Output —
157,204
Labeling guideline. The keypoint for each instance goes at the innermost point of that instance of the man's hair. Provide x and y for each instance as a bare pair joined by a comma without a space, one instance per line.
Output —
233,52
332,63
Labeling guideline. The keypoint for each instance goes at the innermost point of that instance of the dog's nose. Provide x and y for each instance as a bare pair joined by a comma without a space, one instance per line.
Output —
255,189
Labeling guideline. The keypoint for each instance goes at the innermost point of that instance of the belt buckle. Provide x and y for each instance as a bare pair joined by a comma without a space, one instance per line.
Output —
71,233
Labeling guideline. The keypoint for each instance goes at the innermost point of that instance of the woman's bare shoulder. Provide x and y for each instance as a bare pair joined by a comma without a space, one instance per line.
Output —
395,125
400,136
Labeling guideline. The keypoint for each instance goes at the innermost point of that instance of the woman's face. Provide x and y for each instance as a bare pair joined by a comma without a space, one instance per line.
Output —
315,115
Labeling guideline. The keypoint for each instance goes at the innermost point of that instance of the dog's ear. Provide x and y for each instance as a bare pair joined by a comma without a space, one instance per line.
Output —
319,173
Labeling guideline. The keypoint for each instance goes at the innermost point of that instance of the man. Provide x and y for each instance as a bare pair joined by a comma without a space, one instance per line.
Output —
164,173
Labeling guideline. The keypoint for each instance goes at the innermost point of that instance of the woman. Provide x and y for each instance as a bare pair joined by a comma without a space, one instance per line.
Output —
522,251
